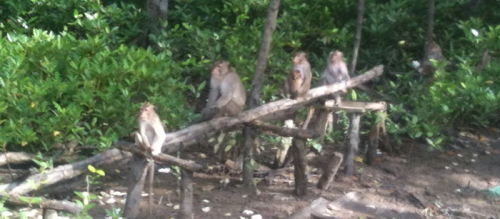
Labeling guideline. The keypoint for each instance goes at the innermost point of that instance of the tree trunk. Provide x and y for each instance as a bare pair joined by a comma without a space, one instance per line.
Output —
186,211
257,81
352,147
357,36
300,166
330,171
430,20
137,177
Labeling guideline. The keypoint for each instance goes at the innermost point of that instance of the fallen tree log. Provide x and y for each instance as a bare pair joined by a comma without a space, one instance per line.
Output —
284,131
40,202
61,173
175,141
304,213
15,157
160,158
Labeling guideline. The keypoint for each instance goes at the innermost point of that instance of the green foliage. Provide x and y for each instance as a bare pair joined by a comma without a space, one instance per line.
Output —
56,88
43,163
77,70
85,202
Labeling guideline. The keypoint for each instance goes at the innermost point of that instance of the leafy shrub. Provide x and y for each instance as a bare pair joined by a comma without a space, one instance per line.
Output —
56,88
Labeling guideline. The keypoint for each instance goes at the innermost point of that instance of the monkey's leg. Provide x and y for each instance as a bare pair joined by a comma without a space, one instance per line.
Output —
338,99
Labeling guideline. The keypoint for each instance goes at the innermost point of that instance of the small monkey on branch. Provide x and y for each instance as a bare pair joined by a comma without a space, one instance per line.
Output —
227,95
151,136
151,133
432,51
298,81
336,71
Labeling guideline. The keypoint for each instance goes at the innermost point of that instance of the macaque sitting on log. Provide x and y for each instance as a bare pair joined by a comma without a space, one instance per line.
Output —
336,71
151,132
431,51
151,136
298,81
227,95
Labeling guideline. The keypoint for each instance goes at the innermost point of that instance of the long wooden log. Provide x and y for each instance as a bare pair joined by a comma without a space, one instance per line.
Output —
161,158
40,202
61,173
175,140
285,132
15,157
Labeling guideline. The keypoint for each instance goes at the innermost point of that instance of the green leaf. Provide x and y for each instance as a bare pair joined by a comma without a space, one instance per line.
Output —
100,172
91,168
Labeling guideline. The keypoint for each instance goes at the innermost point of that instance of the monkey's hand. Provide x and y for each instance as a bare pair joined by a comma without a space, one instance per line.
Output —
156,152
208,113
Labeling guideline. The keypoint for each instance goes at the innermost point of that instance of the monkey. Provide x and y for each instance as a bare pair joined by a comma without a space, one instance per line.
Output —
431,51
227,95
151,136
299,80
151,131
336,71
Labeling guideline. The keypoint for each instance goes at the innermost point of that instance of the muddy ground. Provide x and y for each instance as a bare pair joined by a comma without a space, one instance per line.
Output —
412,183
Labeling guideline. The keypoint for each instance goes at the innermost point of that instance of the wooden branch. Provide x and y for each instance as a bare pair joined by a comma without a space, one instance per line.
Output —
60,173
15,157
40,202
351,106
174,138
330,171
136,178
161,158
317,205
283,131
15,171
357,35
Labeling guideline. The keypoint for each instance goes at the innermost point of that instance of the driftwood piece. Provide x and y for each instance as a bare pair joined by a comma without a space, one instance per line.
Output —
161,158
284,131
286,142
320,124
15,171
305,213
300,166
352,146
61,173
175,141
352,106
186,187
15,157
137,177
50,214
330,170
40,202
377,132
357,205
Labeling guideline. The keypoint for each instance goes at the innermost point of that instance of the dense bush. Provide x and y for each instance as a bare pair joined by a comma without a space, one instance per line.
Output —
56,88
76,69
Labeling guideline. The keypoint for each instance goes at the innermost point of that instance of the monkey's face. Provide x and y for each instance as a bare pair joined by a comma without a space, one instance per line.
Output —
296,75
336,56
220,68
298,57
146,110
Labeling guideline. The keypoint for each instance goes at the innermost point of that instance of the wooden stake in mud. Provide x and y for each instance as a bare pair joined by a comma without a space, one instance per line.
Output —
137,176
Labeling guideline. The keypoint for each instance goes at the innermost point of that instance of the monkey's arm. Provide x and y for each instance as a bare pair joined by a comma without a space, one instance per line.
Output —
159,139
326,78
143,138
228,88
212,96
